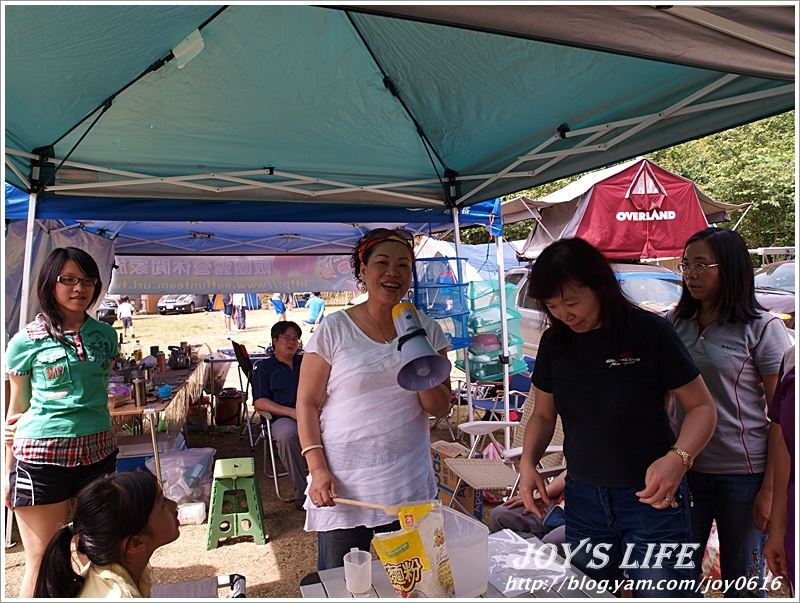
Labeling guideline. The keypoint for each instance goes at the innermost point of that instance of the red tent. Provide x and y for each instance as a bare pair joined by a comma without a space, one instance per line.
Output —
631,211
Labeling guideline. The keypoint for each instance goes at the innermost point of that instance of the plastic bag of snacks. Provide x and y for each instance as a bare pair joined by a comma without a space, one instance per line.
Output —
415,558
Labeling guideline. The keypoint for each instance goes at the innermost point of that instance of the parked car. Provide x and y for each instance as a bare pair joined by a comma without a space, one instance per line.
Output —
107,312
182,302
777,275
651,287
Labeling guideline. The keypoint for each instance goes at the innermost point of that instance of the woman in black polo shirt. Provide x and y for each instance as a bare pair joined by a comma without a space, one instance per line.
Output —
606,367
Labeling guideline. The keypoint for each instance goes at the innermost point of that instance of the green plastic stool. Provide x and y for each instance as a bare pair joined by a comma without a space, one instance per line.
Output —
235,503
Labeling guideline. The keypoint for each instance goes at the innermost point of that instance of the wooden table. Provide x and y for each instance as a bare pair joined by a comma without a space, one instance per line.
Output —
331,585
151,413
552,582
187,386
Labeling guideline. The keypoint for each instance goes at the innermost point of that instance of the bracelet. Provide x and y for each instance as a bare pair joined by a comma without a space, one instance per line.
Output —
310,448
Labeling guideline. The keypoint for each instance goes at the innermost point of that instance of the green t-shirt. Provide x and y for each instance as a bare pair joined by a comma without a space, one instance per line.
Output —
69,396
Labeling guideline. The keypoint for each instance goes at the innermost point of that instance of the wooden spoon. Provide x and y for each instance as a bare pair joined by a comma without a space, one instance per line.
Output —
390,510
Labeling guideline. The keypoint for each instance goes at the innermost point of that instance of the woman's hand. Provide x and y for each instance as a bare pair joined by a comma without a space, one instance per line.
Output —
10,427
323,488
775,553
661,482
531,481
762,508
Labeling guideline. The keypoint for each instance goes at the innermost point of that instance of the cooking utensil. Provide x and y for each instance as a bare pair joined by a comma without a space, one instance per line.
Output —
388,509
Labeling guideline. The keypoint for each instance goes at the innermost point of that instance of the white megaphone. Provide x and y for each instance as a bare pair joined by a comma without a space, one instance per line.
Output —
423,367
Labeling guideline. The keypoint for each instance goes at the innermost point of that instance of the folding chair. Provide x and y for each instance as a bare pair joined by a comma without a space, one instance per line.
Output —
266,435
501,475
246,369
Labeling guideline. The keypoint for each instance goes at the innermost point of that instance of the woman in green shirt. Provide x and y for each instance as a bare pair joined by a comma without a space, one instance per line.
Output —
58,368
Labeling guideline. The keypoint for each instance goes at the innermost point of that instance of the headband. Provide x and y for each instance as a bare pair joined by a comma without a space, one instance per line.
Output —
382,236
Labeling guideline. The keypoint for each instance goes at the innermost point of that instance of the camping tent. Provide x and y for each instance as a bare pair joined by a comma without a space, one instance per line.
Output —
632,211
480,259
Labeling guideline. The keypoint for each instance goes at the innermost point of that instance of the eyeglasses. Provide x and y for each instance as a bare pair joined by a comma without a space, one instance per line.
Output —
699,268
71,281
289,338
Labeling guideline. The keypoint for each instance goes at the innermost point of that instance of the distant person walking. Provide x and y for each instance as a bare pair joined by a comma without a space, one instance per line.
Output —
279,306
125,312
316,310
239,310
227,310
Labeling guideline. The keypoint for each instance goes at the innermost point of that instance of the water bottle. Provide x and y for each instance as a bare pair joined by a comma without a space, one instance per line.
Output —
137,351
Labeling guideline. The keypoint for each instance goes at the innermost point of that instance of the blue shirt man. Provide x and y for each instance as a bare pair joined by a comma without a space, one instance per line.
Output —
274,383
316,309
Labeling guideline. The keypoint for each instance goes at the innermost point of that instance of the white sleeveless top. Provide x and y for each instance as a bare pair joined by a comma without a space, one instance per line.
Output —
375,433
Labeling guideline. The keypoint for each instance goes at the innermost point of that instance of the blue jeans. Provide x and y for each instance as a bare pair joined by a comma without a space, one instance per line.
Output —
627,531
334,544
728,499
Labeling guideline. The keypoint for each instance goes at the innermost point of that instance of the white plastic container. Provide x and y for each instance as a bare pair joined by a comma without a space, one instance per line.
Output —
467,541
192,513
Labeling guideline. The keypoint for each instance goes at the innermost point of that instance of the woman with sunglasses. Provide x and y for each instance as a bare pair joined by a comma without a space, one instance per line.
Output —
738,347
363,436
58,431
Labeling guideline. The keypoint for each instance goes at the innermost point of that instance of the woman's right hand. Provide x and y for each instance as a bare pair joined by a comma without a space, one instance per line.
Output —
531,480
323,488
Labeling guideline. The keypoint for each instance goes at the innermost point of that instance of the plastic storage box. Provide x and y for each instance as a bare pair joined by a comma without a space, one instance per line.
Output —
467,541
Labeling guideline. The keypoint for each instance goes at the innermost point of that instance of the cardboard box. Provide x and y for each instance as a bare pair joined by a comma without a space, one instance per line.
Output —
467,497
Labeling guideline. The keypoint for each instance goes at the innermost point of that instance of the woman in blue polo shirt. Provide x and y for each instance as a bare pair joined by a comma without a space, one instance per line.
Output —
58,367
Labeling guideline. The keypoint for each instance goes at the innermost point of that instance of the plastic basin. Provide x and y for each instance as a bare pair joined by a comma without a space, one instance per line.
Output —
467,541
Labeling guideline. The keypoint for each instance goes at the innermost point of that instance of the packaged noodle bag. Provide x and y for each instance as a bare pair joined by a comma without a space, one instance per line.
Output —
415,557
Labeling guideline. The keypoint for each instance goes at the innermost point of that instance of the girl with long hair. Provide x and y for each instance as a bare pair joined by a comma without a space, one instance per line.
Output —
738,347
58,431
119,521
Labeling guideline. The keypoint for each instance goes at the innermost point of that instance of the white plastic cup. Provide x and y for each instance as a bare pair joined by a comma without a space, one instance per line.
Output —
358,571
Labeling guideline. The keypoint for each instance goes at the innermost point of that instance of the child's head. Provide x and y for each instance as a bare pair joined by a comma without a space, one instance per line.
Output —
117,516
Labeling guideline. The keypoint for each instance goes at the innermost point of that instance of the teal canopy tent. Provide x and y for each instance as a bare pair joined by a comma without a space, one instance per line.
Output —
411,105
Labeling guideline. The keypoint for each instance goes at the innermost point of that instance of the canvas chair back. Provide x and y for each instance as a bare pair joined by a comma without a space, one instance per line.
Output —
550,460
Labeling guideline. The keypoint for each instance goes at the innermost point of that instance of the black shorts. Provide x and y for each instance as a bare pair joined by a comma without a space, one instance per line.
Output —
127,321
227,309
39,484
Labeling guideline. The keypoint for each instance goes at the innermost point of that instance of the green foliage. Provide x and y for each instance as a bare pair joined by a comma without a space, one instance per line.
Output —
751,164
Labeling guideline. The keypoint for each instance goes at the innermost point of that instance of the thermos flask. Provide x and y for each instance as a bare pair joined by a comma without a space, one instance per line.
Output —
139,392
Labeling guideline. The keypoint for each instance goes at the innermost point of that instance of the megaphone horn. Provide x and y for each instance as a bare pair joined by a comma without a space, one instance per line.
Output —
423,367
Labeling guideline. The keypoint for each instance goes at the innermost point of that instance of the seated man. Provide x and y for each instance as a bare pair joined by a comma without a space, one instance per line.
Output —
275,391
512,515
316,310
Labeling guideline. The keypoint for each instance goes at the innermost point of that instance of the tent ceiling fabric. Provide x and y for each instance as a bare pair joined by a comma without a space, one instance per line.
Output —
292,103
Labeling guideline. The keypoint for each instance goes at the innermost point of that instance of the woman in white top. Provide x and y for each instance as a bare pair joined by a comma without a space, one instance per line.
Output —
363,436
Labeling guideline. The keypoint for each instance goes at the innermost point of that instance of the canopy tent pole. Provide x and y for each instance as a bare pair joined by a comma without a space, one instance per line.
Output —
501,277
460,276
28,262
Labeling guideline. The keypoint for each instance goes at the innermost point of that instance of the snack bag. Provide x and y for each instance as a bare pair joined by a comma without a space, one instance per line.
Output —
415,557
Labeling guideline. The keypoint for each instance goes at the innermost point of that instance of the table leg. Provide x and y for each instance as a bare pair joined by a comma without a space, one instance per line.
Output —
153,419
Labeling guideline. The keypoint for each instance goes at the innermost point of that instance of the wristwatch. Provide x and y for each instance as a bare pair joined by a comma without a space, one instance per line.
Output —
686,458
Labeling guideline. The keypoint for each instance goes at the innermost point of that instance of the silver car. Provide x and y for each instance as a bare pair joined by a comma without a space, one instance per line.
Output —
651,287
182,302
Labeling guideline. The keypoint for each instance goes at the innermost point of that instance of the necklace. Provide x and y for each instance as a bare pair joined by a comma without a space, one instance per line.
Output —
375,324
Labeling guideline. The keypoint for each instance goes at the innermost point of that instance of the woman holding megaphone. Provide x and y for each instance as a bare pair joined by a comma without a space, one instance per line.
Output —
364,436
